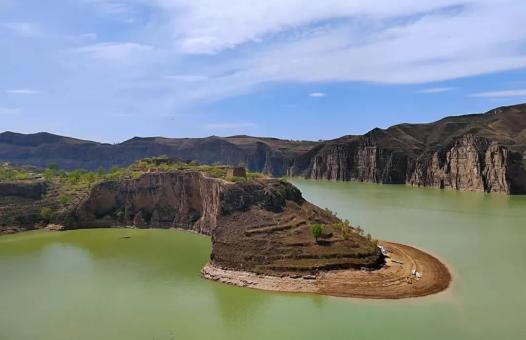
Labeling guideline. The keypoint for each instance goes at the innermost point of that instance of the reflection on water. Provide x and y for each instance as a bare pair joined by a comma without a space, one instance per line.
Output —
94,284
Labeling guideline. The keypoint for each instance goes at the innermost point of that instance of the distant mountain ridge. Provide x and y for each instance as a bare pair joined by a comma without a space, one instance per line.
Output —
476,152
269,155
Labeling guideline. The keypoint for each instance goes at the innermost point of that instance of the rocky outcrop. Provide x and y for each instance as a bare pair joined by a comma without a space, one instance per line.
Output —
29,189
21,203
186,200
183,199
359,160
262,225
481,152
471,164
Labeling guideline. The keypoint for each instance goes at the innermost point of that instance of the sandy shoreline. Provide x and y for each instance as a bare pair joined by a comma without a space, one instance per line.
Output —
393,281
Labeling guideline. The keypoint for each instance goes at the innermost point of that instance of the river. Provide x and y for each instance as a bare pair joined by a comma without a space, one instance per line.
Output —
145,284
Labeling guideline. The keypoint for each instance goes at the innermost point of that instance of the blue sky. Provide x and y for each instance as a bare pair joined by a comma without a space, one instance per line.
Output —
108,70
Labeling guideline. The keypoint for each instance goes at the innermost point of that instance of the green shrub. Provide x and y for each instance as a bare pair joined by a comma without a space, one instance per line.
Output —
316,230
236,179
64,199
8,174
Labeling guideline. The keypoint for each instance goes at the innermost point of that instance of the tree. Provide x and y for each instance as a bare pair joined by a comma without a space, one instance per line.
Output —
316,230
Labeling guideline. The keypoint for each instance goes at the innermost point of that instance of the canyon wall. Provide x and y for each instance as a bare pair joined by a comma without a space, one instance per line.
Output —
360,160
469,163
261,225
188,200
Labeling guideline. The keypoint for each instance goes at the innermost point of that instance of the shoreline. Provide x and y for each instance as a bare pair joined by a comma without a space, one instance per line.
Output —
393,281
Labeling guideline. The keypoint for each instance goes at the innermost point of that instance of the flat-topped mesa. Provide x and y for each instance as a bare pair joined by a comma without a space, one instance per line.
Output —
261,225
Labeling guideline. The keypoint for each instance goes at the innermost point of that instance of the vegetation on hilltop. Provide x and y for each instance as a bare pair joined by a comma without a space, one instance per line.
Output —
67,188
85,178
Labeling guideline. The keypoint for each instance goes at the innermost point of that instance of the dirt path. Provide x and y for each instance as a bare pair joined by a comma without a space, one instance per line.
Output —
393,281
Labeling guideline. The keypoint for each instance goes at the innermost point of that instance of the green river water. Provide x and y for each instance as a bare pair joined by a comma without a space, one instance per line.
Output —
94,284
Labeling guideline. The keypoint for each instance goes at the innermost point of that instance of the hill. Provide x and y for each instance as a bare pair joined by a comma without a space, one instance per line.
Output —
476,152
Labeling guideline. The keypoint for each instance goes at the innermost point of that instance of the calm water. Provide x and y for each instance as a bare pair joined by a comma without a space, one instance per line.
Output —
94,284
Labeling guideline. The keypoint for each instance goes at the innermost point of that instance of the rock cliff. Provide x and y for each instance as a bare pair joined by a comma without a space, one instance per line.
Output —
483,152
472,164
261,225
357,160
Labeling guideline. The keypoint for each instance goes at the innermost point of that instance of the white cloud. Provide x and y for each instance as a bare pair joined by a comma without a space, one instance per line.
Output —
435,90
213,49
186,77
110,7
501,94
115,52
317,94
229,126
122,11
402,42
209,26
22,91
88,36
9,110
23,29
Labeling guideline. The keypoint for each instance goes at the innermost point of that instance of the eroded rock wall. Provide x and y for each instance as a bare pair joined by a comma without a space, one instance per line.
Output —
355,162
470,164
188,200
30,190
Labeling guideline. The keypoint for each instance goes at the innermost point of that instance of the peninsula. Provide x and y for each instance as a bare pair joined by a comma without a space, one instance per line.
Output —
264,233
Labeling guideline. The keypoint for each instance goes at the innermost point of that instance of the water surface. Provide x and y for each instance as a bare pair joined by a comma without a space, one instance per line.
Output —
95,284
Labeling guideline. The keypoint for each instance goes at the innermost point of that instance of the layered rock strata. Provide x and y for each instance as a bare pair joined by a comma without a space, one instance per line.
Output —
260,229
468,163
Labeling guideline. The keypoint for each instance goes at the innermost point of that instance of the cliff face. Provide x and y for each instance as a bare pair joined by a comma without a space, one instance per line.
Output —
28,190
470,163
184,200
260,225
188,200
483,152
359,160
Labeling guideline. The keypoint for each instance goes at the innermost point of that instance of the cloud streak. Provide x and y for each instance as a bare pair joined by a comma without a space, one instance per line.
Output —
405,42
4,111
22,92
114,51
186,77
432,90
22,29
501,94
